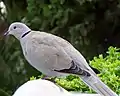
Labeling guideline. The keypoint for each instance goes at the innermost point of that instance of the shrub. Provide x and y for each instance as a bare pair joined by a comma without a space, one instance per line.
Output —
109,67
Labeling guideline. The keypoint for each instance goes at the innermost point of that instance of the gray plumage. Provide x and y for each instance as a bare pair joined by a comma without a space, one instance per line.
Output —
55,56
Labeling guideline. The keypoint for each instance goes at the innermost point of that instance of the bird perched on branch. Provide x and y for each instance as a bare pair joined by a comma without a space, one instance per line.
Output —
55,56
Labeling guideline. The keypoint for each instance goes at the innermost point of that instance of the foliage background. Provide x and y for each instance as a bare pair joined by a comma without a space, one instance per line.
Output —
90,25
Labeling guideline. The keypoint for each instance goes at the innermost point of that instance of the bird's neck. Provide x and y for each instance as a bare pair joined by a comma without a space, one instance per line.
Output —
26,33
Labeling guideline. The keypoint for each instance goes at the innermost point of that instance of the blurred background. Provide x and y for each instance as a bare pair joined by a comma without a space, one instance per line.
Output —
90,25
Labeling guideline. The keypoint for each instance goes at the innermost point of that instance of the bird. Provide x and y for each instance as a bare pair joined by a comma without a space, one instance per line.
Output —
55,56
38,88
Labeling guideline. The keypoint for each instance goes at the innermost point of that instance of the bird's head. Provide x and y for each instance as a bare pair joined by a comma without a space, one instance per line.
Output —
18,30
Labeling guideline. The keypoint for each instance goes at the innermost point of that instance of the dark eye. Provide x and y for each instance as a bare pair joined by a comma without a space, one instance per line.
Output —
14,27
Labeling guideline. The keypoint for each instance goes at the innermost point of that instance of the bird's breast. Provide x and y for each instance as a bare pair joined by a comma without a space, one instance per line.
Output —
40,58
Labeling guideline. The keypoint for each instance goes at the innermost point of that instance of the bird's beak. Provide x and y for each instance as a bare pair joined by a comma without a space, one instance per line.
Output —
6,33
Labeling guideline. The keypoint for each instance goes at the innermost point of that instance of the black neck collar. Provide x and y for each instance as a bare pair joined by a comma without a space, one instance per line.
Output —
25,34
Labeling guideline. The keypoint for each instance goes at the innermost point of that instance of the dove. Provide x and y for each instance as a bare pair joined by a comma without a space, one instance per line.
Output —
54,56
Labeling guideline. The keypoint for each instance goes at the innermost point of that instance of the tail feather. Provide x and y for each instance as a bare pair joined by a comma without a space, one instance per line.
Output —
96,84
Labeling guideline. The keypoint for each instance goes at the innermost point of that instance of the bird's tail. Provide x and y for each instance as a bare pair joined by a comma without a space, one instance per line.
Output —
96,84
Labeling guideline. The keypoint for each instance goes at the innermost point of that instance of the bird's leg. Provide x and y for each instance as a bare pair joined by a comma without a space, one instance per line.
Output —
52,79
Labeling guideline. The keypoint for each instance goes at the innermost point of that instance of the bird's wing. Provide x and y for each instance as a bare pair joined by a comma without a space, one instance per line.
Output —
69,60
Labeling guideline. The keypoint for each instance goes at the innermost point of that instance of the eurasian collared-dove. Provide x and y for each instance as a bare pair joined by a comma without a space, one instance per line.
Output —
55,56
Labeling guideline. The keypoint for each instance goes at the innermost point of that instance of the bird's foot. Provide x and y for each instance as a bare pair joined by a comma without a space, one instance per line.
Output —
52,79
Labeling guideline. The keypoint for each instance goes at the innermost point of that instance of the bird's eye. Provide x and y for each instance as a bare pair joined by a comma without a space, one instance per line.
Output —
14,27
